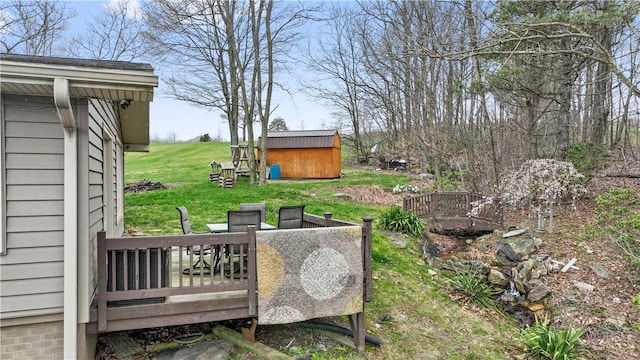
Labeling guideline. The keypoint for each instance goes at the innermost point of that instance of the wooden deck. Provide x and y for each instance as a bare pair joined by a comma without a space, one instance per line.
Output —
456,211
134,293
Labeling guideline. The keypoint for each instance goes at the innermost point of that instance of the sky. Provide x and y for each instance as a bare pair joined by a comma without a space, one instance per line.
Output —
167,115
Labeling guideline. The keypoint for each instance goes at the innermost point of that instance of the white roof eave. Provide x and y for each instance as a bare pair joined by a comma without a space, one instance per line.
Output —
138,84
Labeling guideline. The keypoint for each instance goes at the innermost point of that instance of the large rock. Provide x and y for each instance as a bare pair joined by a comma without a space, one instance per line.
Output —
507,254
524,247
497,278
602,273
343,196
538,291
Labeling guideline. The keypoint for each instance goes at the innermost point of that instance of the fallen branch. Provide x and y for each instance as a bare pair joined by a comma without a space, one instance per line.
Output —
630,176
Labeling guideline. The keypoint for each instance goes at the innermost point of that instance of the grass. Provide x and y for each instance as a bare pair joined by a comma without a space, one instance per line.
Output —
424,322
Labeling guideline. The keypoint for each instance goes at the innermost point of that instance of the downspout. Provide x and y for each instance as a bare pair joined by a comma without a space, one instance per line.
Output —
62,100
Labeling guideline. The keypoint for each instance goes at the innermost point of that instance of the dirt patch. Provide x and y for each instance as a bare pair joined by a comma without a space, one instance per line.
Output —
376,195
373,195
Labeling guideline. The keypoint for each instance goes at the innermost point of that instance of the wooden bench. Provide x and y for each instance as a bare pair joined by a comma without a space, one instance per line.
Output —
228,175
216,169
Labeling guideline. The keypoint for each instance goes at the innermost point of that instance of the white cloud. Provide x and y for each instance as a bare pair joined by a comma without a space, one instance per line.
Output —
5,20
132,7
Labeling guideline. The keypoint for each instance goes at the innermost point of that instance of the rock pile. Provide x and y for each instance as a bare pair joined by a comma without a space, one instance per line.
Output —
514,268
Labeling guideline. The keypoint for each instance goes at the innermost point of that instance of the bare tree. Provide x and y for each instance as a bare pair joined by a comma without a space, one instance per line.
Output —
571,37
224,55
337,62
195,41
114,34
33,27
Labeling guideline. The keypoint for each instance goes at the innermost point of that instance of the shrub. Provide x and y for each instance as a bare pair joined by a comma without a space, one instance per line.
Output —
543,342
448,181
474,288
585,157
619,220
405,188
396,219
542,183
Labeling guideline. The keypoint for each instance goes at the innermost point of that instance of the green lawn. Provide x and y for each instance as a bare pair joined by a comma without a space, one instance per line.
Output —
425,324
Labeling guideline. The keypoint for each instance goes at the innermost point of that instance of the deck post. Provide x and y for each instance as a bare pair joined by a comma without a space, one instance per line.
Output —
468,208
102,281
327,218
366,258
356,321
252,271
435,200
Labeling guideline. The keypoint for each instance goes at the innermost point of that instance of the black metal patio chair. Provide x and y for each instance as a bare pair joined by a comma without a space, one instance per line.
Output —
197,250
290,217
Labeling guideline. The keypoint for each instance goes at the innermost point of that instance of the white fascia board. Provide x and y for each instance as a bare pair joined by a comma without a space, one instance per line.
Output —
136,148
80,77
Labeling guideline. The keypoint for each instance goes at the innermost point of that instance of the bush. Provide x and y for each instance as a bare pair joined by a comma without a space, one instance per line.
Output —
448,181
542,183
396,219
585,157
543,342
619,220
398,189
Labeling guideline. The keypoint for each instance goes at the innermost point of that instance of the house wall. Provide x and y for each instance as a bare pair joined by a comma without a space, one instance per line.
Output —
309,163
104,161
100,152
31,271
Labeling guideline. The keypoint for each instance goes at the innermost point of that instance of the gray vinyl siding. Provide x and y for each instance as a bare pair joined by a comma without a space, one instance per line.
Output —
31,272
102,118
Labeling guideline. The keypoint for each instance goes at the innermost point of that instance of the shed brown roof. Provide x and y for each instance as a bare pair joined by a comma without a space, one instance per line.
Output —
300,139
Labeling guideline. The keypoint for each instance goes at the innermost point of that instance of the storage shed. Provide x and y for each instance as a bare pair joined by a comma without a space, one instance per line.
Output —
305,154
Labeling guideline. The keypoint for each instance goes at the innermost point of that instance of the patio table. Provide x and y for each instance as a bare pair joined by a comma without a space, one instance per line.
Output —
222,227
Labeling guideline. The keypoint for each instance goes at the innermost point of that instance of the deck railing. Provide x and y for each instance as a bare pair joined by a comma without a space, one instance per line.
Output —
127,282
466,207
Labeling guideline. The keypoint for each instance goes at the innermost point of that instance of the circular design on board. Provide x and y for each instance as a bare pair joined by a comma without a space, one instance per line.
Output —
323,273
270,270
281,315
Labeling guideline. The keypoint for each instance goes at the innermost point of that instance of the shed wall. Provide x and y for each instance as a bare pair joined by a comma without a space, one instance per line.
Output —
302,161
318,163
